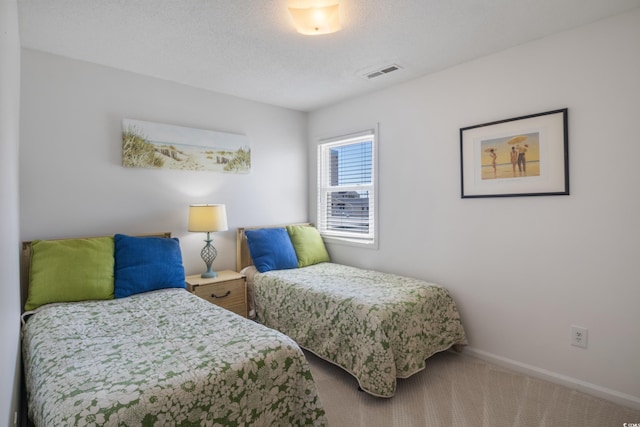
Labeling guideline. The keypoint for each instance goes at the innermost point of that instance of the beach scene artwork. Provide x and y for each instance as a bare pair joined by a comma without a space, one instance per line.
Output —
509,157
162,146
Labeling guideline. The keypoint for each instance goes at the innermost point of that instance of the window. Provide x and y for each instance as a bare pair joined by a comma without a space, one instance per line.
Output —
346,188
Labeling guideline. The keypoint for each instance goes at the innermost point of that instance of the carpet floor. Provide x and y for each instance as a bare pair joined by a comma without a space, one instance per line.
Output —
458,390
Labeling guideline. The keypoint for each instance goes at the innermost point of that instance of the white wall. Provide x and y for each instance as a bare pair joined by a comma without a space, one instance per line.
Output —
9,222
72,182
521,269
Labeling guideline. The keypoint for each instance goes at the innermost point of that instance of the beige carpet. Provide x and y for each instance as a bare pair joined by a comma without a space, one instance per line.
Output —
459,390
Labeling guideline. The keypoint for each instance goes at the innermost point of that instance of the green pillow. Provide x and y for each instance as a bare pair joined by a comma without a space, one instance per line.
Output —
308,245
70,270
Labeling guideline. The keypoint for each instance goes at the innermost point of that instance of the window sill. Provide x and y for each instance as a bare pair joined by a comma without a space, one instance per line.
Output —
346,241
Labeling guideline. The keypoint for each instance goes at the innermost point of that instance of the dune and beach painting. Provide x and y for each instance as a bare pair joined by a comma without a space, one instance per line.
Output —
514,156
161,146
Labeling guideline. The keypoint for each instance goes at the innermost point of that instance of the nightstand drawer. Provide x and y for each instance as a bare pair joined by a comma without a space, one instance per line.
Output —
225,294
227,290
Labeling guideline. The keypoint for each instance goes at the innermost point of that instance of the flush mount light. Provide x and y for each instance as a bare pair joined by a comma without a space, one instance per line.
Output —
313,17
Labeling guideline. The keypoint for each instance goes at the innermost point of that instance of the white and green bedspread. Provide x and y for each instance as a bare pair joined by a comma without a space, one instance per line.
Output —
163,358
376,326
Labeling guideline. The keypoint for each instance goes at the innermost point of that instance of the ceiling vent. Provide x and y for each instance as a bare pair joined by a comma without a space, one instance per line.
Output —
382,71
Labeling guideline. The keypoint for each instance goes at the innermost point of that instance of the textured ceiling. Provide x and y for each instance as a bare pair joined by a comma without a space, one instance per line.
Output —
249,48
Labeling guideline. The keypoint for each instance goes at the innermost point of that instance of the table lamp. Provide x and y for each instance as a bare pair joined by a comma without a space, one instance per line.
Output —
208,219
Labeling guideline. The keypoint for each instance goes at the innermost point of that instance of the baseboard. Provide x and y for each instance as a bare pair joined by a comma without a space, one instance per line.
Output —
576,384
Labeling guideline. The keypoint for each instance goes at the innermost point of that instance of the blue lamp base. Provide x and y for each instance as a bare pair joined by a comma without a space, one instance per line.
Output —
209,274
208,254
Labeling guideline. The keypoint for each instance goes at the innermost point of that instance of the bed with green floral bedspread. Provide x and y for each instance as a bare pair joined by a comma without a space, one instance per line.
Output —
376,326
162,358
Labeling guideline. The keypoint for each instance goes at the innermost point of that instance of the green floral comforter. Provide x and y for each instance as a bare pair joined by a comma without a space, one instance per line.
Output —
162,358
376,326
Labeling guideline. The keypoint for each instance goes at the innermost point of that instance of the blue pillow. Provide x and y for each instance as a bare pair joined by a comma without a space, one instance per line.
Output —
271,249
145,264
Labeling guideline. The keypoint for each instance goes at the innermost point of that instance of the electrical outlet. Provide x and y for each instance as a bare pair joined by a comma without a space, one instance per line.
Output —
579,336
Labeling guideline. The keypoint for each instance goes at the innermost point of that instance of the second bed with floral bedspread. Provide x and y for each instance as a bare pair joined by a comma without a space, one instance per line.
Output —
162,358
376,326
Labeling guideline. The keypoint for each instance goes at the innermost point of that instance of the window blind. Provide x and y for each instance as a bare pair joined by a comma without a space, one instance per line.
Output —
346,183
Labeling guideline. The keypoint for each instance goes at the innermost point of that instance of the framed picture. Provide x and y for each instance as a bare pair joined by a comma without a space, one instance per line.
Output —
523,156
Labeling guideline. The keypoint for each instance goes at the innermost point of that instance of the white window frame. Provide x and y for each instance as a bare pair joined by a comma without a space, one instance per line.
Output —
324,187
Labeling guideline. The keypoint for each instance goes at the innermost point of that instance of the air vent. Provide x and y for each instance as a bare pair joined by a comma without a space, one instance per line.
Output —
382,71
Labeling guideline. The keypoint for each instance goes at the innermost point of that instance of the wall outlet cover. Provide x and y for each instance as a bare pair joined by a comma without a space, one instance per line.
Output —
579,336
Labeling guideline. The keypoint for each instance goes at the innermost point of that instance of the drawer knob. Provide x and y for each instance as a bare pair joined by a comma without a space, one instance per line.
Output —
221,296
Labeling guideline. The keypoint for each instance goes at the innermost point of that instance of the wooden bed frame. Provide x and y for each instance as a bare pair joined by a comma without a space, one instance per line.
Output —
25,260
243,256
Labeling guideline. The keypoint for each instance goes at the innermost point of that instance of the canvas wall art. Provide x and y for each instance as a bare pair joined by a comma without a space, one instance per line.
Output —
161,146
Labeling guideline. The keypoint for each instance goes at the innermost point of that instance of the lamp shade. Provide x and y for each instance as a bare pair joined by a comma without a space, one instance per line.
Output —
315,16
206,218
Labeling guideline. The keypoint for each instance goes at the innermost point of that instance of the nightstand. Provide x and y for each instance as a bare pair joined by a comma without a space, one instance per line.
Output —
228,290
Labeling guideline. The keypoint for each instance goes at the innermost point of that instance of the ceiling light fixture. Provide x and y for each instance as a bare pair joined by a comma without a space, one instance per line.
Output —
313,17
